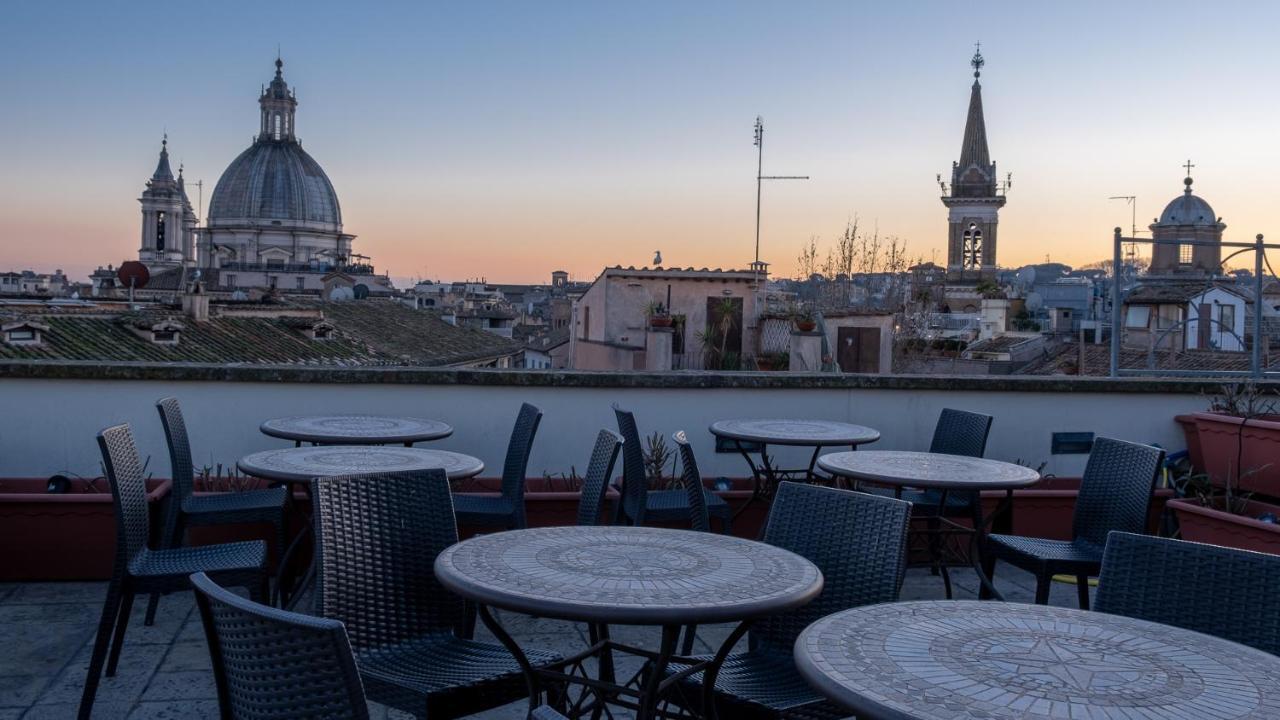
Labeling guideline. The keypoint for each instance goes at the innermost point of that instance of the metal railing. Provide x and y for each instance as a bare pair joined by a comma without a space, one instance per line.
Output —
1256,368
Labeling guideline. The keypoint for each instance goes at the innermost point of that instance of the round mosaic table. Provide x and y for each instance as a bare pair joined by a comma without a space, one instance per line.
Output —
356,429
755,435
302,464
948,659
630,576
948,474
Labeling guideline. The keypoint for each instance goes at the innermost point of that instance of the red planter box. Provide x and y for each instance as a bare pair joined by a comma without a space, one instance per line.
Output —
1191,433
69,536
1227,448
1217,527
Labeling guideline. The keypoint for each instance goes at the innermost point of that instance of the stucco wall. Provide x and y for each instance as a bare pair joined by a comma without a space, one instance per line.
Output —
64,408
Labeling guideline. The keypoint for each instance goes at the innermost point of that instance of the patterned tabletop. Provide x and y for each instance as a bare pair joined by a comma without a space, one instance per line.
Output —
356,429
810,433
967,659
628,575
928,470
304,463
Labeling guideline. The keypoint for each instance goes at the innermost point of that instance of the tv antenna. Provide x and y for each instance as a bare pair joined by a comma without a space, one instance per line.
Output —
761,177
1131,248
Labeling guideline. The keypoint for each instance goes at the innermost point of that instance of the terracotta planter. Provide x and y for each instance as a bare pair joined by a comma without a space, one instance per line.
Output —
1218,527
1191,432
1227,449
68,536
661,321
806,325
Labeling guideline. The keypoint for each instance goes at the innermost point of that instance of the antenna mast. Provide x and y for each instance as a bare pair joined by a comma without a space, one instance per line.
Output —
761,177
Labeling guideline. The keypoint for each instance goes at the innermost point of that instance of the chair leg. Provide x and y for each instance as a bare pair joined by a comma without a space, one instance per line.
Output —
1043,582
174,539
468,620
110,610
690,632
122,624
1082,588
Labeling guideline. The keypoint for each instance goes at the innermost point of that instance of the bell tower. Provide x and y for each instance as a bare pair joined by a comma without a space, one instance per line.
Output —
278,104
164,208
973,197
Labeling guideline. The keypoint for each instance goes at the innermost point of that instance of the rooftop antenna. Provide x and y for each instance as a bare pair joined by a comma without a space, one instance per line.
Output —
1130,248
761,177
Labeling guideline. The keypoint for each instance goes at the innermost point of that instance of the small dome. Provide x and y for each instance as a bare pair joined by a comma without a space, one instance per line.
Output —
1188,209
275,181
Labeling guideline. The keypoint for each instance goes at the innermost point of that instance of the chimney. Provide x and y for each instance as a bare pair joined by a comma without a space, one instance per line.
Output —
195,304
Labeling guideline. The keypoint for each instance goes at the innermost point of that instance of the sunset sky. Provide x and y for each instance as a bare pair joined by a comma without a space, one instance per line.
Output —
509,140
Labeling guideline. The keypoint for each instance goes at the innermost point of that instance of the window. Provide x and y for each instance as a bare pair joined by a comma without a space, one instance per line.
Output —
166,337
300,282
24,335
972,250
1185,253
276,132
160,231
1138,316
1226,318
229,281
1168,316
272,281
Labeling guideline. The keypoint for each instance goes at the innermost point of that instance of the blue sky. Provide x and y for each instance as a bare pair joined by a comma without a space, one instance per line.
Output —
510,139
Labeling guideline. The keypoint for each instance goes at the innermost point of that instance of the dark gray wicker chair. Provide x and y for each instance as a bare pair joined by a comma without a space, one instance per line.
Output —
858,541
693,488
139,569
1115,494
640,504
507,510
188,510
270,664
596,482
1233,594
377,540
957,432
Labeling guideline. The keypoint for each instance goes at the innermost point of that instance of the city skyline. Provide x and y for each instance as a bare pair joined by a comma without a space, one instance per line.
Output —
507,142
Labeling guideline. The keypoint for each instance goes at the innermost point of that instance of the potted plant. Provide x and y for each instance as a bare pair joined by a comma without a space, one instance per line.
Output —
64,528
658,315
1239,439
773,361
1226,516
804,319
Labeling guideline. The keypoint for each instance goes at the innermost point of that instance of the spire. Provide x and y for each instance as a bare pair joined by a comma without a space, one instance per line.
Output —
163,173
182,188
974,150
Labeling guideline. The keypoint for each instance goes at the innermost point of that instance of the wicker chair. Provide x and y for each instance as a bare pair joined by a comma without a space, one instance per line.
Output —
693,487
1206,588
186,509
269,664
377,540
506,511
1115,494
139,569
640,505
958,432
859,542
596,481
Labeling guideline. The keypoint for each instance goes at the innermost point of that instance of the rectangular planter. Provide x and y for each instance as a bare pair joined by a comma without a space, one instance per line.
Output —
1227,449
68,536
1218,527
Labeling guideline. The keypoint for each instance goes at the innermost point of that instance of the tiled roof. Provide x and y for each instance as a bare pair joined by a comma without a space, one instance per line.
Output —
1097,360
1175,292
999,344
369,332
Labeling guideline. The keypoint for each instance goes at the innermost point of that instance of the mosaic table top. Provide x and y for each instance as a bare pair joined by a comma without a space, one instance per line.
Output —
967,659
628,575
928,470
811,433
304,463
356,429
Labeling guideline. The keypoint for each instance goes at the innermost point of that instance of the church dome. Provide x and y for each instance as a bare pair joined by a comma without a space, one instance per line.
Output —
275,182
1188,209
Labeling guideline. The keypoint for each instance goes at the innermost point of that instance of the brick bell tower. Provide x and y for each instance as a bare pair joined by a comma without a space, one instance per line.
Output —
973,198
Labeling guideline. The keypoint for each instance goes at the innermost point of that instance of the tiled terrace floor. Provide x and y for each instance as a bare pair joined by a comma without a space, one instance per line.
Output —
46,633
